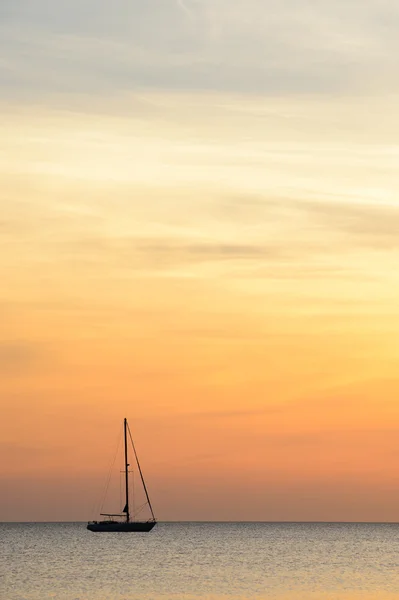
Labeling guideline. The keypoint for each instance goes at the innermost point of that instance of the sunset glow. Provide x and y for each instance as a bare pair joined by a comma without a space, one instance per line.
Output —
213,256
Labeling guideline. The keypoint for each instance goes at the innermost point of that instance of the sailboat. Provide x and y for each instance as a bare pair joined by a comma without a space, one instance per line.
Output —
128,524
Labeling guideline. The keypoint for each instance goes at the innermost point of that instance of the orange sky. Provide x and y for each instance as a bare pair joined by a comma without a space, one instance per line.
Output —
248,336
214,257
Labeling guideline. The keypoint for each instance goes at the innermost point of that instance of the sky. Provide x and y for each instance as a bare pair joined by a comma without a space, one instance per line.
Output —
198,231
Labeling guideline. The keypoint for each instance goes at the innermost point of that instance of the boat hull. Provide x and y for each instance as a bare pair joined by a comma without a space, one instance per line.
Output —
112,527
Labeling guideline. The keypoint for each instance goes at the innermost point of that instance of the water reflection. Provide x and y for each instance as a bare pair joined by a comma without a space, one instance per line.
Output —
201,561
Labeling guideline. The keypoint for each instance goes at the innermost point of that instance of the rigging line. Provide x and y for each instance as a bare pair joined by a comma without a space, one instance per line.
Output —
141,474
110,473
141,508
97,505
133,493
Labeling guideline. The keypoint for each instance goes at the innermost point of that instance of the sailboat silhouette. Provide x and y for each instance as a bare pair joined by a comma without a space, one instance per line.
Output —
128,524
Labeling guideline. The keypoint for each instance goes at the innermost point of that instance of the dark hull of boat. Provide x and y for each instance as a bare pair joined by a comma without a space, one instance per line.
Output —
139,527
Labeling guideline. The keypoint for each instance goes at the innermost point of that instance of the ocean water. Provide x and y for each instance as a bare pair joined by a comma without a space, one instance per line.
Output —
212,561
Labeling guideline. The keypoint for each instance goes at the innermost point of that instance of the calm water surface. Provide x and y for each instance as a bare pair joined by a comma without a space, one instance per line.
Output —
190,561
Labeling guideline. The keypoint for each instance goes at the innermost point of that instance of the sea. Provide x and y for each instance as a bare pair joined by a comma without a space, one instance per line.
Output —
198,561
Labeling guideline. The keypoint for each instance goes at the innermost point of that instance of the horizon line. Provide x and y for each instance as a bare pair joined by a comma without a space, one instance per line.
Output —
290,522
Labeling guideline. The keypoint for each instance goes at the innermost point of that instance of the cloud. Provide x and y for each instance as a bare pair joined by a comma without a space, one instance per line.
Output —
176,256
286,238
175,252
241,45
186,7
231,414
19,451
365,225
17,357
201,187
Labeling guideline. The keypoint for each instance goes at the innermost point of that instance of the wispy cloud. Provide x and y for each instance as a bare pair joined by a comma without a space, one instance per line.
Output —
184,5
251,45
231,413
365,225
18,357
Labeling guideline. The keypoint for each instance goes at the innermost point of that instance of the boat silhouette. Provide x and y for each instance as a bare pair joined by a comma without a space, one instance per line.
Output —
124,522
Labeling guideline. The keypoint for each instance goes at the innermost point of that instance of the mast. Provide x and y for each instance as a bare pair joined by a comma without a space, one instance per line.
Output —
126,509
